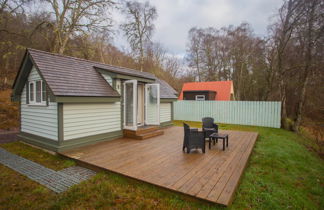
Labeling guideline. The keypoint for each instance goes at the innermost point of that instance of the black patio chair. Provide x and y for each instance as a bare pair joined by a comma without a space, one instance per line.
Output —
208,126
193,139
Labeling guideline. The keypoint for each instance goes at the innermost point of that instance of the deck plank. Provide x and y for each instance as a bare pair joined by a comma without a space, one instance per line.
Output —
213,176
226,195
199,182
227,174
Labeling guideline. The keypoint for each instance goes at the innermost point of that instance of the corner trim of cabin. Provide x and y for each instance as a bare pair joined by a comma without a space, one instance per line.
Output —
60,124
172,111
166,100
86,99
19,111
166,124
122,104
38,141
78,142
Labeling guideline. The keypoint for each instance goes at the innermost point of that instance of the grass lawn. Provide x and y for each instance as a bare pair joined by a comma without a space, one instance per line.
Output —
281,174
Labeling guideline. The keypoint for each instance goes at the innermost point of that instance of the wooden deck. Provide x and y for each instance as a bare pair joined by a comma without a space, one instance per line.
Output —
212,176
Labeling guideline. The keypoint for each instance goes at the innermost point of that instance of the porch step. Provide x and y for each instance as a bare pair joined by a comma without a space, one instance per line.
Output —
143,133
149,135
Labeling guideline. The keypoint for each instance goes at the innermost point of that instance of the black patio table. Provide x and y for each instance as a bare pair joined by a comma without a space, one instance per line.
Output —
216,136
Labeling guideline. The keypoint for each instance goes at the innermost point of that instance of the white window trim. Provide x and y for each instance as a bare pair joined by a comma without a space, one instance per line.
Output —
200,98
42,103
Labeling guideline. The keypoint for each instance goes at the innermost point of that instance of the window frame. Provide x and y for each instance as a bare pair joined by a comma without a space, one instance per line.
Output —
34,91
31,90
197,96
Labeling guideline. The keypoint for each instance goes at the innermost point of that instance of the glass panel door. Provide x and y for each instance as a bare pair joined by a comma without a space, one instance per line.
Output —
130,104
152,104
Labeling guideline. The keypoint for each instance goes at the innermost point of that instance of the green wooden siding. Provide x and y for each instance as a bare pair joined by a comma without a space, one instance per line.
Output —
38,119
257,113
81,120
165,112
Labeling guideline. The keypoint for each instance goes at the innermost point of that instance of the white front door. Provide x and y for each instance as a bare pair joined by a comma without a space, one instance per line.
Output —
152,104
130,104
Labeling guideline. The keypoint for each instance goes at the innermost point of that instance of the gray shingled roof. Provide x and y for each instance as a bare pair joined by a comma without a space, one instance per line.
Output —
166,91
70,76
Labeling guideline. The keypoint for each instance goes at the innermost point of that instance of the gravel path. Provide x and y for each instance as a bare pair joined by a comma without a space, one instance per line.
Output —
58,181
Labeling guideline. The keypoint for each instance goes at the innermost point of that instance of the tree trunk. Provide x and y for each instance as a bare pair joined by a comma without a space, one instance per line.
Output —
307,69
141,62
63,44
301,102
283,99
198,70
197,66
282,86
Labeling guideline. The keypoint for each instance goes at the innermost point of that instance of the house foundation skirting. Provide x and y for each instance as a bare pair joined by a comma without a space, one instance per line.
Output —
38,141
78,142
56,146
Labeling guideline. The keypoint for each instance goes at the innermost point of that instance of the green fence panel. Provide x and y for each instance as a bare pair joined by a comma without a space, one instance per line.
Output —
257,113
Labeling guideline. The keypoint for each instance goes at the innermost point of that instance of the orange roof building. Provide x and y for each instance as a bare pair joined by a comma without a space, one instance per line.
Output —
200,91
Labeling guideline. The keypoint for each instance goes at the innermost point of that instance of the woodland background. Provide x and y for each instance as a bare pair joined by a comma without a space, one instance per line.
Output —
285,65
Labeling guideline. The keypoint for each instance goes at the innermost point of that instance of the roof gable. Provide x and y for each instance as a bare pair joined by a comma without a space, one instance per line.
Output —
71,77
25,69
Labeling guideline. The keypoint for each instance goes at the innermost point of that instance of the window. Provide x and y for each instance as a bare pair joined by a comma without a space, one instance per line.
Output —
31,92
37,93
43,91
200,97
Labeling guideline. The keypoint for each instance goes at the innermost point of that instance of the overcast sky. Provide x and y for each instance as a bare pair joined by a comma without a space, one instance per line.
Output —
176,17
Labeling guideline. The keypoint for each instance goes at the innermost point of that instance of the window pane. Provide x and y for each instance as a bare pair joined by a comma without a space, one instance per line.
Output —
38,91
31,91
43,91
129,103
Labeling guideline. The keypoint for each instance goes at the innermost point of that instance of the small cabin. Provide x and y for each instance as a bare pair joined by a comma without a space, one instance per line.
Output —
199,95
207,91
67,102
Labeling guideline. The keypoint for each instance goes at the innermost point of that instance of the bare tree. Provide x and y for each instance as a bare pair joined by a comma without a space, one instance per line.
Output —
155,54
77,16
139,26
194,51
172,66
229,53
12,6
310,37
12,17
288,20
9,8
